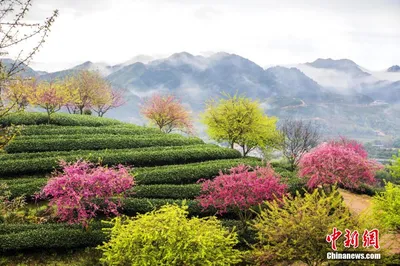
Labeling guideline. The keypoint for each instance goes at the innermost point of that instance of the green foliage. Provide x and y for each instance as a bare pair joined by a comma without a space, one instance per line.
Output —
239,120
30,118
99,143
386,207
46,131
168,237
189,191
7,135
31,163
87,112
24,186
394,168
9,208
294,229
42,237
188,173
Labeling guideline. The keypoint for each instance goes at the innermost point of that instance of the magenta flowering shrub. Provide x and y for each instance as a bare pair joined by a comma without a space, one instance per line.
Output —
344,162
82,189
241,189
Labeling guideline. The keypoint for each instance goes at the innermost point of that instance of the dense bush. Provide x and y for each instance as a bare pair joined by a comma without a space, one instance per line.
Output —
241,189
24,186
30,118
44,238
80,153
168,237
386,207
295,229
73,191
395,167
138,158
188,173
125,129
189,191
98,143
343,162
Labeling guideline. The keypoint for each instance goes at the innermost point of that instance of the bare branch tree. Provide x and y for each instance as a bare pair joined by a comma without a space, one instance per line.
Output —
299,137
14,30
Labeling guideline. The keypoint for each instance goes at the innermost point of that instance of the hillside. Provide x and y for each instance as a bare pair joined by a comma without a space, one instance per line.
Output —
166,168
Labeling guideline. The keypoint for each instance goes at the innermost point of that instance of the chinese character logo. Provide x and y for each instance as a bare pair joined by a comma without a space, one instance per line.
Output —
333,238
369,238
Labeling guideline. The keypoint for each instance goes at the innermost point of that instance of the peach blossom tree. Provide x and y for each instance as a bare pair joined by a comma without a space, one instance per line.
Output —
343,162
167,113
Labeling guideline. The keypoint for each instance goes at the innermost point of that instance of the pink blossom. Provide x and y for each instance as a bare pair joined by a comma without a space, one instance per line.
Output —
83,189
344,162
241,189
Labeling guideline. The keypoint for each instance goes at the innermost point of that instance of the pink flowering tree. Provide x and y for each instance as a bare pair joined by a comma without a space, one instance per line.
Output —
83,189
50,96
343,162
167,113
110,98
240,190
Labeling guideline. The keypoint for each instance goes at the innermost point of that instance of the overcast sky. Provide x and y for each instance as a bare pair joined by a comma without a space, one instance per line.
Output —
264,31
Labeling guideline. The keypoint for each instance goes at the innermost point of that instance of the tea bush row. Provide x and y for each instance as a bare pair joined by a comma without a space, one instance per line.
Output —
80,153
38,131
98,143
136,158
32,118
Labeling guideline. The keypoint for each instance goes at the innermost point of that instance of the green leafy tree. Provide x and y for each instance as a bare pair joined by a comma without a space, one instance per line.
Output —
168,237
386,207
295,229
394,167
240,120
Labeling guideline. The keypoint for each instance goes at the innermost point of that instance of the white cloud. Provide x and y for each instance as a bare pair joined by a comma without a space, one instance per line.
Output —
265,31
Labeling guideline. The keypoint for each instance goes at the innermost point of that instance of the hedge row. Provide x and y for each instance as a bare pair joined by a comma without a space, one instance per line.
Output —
24,186
171,174
99,143
188,173
23,237
45,238
189,191
62,119
188,154
38,131
84,153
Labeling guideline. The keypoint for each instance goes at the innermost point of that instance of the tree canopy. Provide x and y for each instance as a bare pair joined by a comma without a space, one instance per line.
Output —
240,120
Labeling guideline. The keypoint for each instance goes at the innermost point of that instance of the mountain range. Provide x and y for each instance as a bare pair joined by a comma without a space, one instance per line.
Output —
342,96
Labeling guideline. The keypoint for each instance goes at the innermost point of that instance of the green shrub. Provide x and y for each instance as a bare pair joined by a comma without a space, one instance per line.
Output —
31,118
98,143
45,238
188,173
138,158
168,237
295,229
87,112
394,167
38,131
189,191
24,186
386,207
80,153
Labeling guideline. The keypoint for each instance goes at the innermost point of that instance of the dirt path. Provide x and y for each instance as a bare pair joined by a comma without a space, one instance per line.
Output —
358,203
